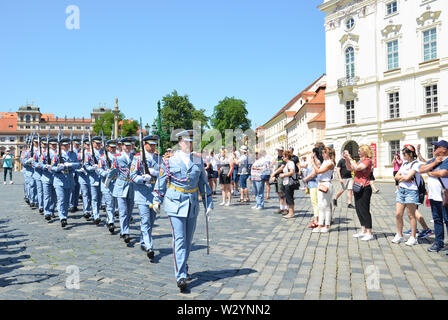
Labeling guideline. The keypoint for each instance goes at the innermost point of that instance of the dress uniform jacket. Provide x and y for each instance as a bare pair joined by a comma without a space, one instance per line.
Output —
94,178
64,177
104,172
123,185
144,189
178,185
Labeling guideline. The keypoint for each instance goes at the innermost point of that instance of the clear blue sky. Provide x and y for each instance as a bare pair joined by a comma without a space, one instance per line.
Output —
263,52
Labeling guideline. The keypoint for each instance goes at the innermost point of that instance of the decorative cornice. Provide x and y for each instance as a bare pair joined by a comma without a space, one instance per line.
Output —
349,36
434,15
395,28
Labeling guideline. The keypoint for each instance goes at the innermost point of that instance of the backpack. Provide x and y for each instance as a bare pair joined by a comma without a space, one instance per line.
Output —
421,187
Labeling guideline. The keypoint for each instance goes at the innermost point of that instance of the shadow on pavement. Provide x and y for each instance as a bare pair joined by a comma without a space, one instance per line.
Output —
215,275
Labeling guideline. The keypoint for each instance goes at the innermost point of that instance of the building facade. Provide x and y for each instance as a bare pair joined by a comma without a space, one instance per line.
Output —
275,133
387,62
308,125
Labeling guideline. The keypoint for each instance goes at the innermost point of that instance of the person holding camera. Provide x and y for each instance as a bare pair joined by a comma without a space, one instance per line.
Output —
397,165
288,172
346,180
7,166
324,173
362,190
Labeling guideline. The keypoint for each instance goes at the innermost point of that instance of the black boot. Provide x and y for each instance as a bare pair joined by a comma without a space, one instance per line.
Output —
63,223
182,285
111,228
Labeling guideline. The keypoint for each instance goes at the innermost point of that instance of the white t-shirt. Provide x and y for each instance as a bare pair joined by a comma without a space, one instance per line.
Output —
327,175
267,160
405,170
289,166
213,162
434,186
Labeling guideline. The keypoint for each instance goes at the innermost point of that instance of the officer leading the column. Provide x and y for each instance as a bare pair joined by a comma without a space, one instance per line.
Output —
181,177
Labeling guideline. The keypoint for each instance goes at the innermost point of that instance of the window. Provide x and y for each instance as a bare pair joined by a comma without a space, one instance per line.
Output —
430,147
43,127
350,62
28,118
394,147
392,55
350,111
27,127
430,44
78,128
431,99
391,7
2,139
350,23
21,139
12,139
51,127
394,105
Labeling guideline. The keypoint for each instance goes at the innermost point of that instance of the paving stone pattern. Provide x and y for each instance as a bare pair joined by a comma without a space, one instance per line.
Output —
253,255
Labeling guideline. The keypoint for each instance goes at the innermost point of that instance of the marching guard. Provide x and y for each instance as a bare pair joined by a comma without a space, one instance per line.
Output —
144,186
49,194
107,174
74,196
84,180
181,177
124,188
91,166
63,166
27,159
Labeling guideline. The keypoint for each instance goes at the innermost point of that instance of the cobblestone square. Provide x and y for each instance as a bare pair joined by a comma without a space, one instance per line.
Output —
254,254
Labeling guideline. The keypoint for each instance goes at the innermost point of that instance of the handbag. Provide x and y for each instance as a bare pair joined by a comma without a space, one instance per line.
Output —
322,188
357,187
444,194
293,182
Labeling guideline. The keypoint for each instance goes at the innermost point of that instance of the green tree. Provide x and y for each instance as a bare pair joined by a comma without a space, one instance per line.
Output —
106,123
178,112
130,128
230,113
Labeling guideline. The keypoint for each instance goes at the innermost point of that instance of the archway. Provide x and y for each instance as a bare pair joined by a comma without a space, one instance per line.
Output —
352,147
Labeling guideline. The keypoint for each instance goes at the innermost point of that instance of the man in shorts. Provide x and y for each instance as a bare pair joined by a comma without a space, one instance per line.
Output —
279,164
346,181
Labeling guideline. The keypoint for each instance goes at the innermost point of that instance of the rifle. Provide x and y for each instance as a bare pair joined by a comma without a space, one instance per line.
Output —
71,140
108,163
206,218
92,151
142,150
61,160
38,140
82,146
32,145
48,147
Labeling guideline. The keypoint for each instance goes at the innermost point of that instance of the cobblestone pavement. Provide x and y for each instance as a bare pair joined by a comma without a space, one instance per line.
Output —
253,255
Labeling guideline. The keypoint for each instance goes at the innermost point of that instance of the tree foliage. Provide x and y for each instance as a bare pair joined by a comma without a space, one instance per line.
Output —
106,122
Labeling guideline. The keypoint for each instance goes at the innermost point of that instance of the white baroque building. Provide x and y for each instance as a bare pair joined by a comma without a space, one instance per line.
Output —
387,76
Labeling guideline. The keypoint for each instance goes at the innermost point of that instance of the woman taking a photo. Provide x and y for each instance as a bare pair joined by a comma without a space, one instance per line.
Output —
288,172
256,174
225,177
362,190
243,170
397,163
407,197
324,173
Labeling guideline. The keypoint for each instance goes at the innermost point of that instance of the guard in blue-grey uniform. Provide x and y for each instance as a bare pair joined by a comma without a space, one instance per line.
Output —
47,179
37,177
63,177
124,188
108,176
181,177
27,159
84,181
74,196
144,186
91,166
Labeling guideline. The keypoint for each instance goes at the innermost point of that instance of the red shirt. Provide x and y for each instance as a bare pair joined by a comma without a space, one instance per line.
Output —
362,177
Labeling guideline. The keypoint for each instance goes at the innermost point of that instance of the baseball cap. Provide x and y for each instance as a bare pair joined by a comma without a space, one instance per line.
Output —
441,143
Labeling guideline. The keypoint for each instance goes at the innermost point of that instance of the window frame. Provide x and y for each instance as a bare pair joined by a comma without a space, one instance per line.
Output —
350,70
387,8
350,112
430,42
394,148
393,55
394,106
430,147
434,107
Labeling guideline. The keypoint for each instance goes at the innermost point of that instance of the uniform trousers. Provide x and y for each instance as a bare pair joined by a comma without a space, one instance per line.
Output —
147,218
183,231
95,191
111,204
49,198
74,196
63,196
125,206
86,198
39,193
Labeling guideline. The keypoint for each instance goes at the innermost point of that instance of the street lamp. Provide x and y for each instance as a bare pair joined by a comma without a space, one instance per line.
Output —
147,127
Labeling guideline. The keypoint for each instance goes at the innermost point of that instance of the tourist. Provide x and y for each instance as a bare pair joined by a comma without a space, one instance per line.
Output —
362,190
310,178
324,173
212,170
256,174
279,164
437,170
289,172
266,173
407,197
7,166
372,180
397,163
243,170
235,174
346,181
225,176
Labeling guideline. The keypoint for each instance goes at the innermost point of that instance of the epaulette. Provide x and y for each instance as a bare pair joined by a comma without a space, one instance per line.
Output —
117,154
166,156
137,154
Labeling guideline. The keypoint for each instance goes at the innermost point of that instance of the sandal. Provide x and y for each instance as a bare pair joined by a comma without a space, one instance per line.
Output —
240,200
313,225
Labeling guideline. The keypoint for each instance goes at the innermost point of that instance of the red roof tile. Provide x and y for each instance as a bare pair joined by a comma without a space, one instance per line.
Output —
319,118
